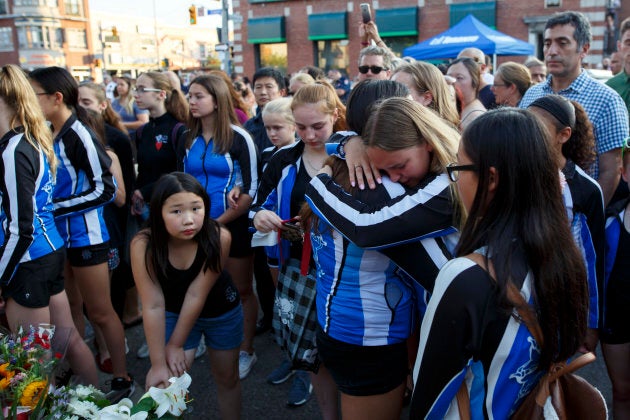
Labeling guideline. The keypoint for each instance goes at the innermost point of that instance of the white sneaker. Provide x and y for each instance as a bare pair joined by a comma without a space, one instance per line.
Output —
201,348
245,363
143,351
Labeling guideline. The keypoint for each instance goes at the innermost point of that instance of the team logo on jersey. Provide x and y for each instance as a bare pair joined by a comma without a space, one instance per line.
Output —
159,140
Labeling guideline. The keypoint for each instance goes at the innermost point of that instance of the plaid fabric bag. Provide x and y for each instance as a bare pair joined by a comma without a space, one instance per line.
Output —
294,317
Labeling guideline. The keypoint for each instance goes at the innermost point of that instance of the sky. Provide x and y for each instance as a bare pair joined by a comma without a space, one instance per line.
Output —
175,12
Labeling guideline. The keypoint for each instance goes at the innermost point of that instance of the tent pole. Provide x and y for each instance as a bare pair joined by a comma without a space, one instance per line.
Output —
494,63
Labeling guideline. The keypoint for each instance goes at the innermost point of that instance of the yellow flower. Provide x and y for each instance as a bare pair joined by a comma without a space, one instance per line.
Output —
4,383
32,393
3,370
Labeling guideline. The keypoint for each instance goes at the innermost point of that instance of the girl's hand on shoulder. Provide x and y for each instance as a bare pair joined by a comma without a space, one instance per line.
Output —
158,377
176,359
359,166
265,221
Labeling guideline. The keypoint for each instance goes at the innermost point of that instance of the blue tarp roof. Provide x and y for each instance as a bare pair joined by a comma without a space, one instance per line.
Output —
469,32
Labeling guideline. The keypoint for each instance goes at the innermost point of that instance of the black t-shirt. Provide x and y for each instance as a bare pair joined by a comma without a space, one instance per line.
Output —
222,298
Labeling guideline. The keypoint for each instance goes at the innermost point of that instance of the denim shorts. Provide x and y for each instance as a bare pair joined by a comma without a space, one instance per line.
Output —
224,332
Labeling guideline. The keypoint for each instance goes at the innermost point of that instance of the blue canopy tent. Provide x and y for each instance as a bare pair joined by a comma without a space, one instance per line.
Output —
469,32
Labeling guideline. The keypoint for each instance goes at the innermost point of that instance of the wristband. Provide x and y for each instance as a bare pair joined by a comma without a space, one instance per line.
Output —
340,147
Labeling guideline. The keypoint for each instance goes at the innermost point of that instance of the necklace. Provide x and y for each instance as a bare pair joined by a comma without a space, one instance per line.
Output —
313,168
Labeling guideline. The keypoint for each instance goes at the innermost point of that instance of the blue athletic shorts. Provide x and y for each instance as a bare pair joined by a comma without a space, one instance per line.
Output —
224,332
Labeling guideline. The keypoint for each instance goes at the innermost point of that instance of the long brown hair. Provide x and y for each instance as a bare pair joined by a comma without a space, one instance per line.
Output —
223,116
237,100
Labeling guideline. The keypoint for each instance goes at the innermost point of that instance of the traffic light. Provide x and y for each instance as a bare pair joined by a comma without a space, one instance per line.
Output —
192,12
114,31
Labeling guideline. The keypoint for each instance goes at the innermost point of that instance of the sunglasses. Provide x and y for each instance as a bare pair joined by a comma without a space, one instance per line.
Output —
373,69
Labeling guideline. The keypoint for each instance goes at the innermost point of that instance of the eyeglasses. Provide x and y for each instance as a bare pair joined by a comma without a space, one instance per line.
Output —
453,170
143,89
373,69
499,85
42,93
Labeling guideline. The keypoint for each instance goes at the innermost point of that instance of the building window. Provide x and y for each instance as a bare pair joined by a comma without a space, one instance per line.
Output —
273,55
73,7
3,7
6,39
57,38
332,54
76,38
553,3
398,43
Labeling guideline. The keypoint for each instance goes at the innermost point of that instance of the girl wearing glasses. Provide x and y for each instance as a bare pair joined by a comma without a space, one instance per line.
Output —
84,185
507,178
511,81
32,252
156,141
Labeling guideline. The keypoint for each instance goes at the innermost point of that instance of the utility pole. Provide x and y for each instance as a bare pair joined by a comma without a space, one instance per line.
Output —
225,34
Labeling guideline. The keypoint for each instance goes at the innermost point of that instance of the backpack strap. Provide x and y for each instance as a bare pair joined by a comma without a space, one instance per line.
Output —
174,136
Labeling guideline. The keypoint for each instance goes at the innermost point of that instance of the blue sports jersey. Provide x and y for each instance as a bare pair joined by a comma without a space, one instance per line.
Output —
84,186
218,173
484,347
26,210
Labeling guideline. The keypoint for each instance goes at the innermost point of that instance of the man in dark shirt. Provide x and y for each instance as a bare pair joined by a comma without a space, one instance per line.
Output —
268,85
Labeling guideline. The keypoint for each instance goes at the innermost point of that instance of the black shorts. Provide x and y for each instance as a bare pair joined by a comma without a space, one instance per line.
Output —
617,328
363,370
241,237
34,282
88,256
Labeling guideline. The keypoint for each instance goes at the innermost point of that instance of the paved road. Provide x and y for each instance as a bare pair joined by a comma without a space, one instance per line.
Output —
264,401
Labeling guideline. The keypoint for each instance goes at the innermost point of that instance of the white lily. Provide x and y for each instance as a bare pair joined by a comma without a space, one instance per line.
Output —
120,411
173,398
84,409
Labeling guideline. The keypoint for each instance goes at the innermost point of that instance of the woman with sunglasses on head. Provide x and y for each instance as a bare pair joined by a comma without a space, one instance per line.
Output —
32,251
515,238
84,185
573,145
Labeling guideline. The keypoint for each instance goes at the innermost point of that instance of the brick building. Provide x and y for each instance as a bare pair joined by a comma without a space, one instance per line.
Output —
290,34
40,33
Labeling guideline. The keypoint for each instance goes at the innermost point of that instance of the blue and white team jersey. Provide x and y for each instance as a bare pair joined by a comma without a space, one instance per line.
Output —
84,186
467,337
26,209
360,298
219,173
584,203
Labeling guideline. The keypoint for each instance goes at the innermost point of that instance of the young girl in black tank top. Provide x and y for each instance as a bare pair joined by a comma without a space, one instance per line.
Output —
177,265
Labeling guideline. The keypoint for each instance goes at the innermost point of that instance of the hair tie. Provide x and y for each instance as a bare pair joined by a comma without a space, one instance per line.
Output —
559,107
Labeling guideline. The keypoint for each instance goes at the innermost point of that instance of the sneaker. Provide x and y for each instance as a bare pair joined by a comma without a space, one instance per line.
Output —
245,363
143,351
300,391
121,388
201,349
280,374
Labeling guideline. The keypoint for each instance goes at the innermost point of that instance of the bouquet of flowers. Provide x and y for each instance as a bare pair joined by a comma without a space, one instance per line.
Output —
26,361
86,402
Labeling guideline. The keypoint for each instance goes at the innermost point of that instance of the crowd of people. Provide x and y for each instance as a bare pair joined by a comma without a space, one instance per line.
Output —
426,194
